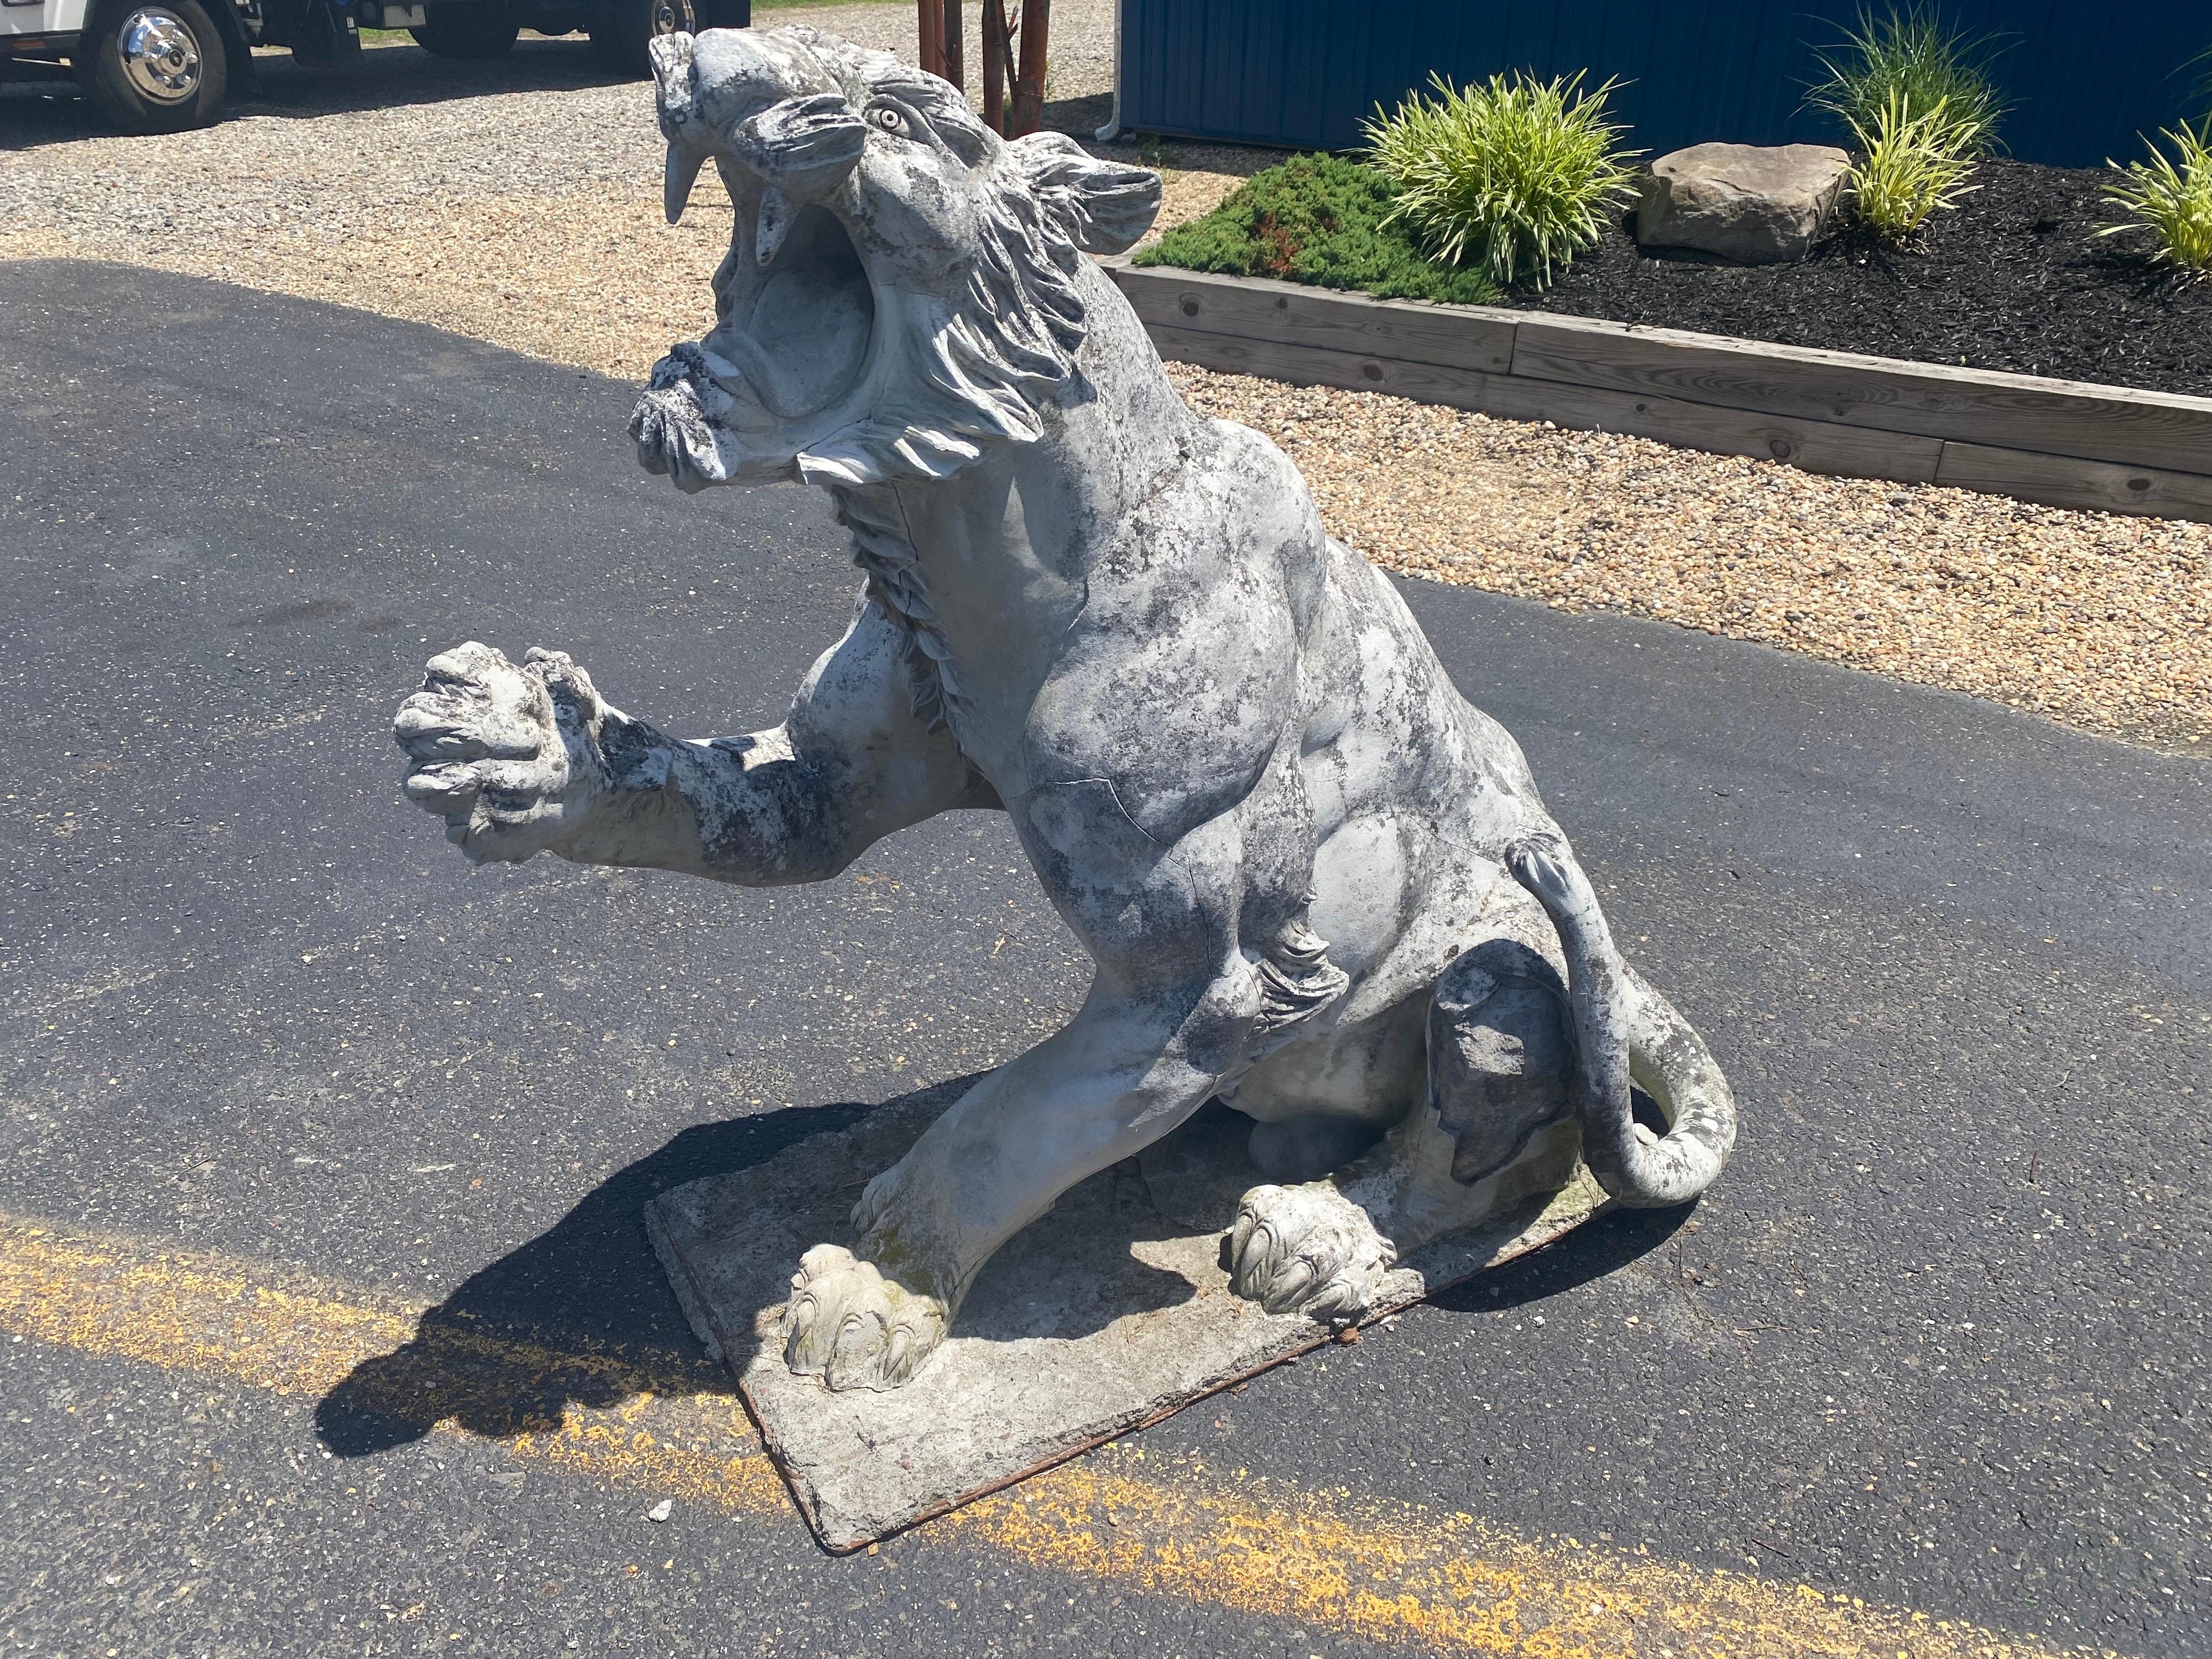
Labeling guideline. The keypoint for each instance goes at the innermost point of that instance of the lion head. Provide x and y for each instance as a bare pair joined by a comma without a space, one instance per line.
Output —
901,288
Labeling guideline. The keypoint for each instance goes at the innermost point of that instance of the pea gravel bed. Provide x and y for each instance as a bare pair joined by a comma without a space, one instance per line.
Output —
518,203
2101,621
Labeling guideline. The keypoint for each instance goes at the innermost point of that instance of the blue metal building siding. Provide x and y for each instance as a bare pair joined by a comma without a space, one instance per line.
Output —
2085,77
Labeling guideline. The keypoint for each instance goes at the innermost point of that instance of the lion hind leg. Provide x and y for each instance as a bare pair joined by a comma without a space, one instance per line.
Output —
1497,1127
1501,1055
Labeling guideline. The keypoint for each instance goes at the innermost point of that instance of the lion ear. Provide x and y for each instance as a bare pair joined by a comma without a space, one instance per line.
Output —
1102,206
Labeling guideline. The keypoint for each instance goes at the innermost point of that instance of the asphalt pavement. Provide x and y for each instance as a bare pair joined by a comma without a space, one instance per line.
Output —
1935,1340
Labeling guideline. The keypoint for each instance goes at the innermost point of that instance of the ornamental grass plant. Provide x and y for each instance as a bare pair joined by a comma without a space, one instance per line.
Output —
1909,167
2171,197
1910,59
1512,177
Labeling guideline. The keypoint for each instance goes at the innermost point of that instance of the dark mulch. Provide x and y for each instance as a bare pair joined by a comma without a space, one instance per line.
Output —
2015,279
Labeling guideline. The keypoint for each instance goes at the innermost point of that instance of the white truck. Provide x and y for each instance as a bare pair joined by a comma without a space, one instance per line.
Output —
164,65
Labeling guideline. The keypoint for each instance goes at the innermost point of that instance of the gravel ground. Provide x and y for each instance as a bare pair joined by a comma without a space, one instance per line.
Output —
518,203
2097,620
336,156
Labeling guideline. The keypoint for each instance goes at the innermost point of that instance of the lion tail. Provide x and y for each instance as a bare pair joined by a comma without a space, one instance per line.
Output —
1627,1032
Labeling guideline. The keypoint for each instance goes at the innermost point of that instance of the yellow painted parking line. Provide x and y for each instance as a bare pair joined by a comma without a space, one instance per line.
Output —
1359,1566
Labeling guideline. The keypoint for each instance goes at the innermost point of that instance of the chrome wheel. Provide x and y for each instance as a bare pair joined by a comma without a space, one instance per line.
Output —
160,57
673,16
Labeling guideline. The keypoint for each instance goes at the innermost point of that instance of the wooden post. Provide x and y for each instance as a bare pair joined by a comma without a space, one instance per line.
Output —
953,37
929,26
995,67
1027,114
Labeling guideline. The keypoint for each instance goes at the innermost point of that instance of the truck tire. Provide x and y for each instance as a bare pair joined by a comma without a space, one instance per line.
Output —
153,65
479,31
622,30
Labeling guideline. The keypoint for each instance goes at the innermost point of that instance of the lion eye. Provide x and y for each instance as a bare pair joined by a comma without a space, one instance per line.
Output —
889,119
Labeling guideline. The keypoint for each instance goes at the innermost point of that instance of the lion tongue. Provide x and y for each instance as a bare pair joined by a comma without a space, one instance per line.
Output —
773,224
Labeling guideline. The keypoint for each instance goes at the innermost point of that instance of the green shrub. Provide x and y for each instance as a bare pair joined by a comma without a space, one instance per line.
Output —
1316,219
1910,165
1911,57
2171,199
1512,176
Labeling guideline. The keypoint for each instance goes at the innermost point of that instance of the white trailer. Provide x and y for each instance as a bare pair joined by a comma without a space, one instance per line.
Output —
164,65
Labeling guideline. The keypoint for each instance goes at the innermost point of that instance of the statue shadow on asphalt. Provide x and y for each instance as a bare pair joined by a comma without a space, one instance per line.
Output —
1593,1251
582,1316
1590,1252
579,1316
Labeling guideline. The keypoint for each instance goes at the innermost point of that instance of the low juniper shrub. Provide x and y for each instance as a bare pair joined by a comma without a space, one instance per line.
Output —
1322,220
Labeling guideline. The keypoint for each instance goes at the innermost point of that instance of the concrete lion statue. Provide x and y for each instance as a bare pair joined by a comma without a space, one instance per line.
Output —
1316,883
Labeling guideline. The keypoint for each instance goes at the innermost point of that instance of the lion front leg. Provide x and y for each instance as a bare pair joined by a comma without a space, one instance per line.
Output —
1131,1066
520,758
1169,1013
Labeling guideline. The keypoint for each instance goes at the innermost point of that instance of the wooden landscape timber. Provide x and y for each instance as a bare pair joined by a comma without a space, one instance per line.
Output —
2066,443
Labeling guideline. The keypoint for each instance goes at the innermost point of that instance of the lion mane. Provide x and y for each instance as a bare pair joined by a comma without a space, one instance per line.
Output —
982,365
986,364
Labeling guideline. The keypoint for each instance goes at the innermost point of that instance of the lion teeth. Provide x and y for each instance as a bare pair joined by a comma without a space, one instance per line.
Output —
774,225
683,164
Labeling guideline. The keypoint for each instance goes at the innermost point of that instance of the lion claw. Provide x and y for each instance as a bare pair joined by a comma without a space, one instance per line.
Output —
503,751
1307,1249
849,1325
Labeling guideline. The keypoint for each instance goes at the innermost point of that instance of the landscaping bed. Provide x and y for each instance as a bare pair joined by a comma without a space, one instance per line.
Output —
2013,279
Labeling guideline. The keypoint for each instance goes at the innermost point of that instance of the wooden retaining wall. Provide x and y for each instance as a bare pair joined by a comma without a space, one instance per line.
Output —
2064,442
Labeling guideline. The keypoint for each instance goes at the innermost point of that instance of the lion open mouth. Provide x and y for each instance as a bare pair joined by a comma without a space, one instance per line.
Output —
904,289
796,316
796,311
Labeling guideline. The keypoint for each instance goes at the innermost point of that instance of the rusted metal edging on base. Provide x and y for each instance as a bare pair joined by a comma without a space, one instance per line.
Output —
2065,443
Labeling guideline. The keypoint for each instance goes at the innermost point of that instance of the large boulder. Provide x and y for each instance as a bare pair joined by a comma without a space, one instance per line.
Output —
1747,202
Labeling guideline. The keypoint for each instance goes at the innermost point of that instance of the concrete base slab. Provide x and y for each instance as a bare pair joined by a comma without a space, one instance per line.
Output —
1108,1314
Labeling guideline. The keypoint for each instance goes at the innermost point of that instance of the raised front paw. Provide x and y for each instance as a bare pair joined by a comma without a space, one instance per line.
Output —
852,1327
1307,1249
505,752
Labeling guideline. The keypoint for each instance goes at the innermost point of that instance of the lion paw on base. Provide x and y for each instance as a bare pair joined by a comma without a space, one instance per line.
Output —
1307,1249
852,1327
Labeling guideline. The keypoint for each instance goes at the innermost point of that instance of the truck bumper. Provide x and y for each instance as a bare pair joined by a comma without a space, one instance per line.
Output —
39,47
